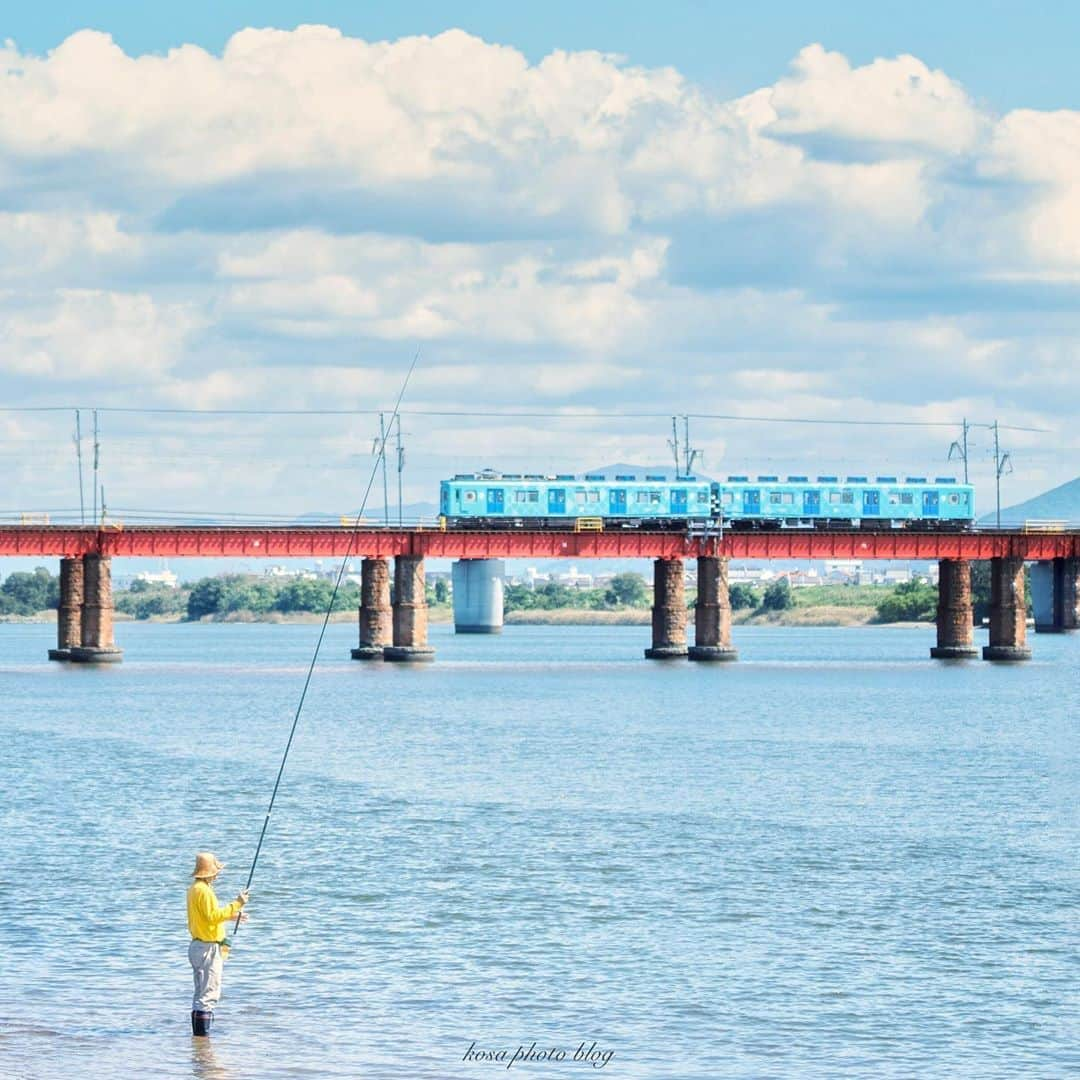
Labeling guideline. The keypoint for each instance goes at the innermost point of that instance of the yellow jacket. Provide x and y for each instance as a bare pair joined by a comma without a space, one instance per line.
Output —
205,919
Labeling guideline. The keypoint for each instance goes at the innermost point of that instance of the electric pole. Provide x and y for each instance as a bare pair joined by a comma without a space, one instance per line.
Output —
690,455
673,442
960,449
1000,462
78,458
97,448
400,469
381,450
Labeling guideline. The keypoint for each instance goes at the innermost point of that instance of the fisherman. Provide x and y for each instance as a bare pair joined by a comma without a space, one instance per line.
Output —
207,951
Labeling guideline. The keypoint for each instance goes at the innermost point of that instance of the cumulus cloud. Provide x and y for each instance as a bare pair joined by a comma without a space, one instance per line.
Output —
281,224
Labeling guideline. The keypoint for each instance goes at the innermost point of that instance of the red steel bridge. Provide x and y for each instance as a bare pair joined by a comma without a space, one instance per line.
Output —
397,629
284,542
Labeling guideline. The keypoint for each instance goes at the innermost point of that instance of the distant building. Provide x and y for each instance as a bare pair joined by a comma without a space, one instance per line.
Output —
158,577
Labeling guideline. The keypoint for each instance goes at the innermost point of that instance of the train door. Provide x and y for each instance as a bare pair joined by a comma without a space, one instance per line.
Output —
871,503
811,503
678,501
930,504
752,502
557,501
495,500
617,502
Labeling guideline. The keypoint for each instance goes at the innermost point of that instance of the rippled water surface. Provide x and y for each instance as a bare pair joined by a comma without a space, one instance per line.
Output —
833,858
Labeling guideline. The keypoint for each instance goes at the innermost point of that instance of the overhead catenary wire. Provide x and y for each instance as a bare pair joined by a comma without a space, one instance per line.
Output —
322,634
510,413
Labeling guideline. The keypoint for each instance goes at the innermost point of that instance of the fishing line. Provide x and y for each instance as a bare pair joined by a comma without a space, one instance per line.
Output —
322,630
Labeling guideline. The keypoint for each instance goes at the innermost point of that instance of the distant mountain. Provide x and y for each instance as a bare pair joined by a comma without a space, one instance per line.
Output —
410,513
640,471
1059,504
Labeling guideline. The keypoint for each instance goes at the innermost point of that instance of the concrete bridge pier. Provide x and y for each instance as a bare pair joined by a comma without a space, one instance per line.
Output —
1008,611
1054,595
69,613
410,612
955,621
478,596
96,644
375,615
669,611
712,612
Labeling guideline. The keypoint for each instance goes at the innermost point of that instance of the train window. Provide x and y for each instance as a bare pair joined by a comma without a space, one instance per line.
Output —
470,496
954,499
725,498
787,498
654,498
519,496
532,495
907,498
894,498
642,496
774,498
834,497
703,496
594,496
579,497
847,497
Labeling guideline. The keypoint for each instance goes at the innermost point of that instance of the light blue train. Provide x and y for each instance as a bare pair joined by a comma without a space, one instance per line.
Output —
491,499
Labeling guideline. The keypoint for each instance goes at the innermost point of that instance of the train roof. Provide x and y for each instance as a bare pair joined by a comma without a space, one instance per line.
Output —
488,475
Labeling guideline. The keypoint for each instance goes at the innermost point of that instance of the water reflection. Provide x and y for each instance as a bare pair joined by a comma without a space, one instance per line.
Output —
206,1062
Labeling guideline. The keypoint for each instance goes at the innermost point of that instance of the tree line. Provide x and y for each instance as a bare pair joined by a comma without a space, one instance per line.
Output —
27,593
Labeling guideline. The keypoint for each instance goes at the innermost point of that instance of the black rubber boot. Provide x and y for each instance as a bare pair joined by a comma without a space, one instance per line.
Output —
200,1023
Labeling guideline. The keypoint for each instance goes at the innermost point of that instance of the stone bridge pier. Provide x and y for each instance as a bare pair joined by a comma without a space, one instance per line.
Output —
712,612
375,615
955,618
96,643
1008,611
409,613
69,613
669,611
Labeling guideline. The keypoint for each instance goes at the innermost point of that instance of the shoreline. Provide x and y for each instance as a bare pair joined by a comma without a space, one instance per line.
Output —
822,615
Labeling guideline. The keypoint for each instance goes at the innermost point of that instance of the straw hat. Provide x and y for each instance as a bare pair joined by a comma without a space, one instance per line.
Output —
207,865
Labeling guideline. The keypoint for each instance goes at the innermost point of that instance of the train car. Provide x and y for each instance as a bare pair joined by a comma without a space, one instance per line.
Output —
490,498
828,501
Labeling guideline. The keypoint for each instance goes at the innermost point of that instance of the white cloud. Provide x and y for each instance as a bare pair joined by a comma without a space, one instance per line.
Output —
283,223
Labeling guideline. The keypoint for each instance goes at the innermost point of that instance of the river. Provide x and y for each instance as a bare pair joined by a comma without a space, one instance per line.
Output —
832,858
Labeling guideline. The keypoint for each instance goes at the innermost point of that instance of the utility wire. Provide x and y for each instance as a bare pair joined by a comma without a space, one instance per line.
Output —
505,414
322,634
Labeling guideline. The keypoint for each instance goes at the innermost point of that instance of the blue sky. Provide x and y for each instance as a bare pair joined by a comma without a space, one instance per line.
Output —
797,212
1008,54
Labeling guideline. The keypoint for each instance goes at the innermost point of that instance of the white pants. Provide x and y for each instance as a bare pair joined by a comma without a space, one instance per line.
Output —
206,964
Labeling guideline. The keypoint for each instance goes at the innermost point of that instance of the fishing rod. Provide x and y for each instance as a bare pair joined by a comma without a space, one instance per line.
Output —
322,630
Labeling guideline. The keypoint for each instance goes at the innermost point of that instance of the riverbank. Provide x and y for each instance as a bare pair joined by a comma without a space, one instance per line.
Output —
822,615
